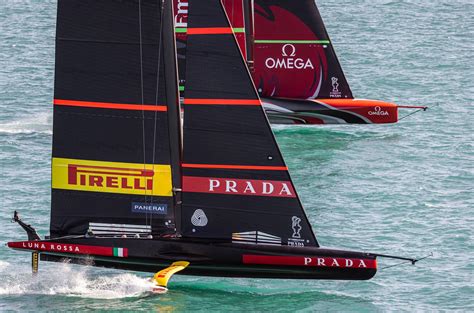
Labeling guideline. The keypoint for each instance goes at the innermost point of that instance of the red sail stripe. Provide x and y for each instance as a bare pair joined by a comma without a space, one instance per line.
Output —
222,101
317,261
108,105
209,31
236,167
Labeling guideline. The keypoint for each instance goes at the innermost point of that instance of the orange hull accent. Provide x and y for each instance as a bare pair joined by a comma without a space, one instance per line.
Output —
378,112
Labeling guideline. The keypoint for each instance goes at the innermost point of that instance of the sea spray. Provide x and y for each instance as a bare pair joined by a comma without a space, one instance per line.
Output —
69,280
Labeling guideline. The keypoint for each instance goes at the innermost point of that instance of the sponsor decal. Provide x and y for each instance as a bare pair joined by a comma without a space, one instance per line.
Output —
153,208
378,111
256,237
296,227
112,177
234,186
314,261
199,218
55,247
335,93
289,60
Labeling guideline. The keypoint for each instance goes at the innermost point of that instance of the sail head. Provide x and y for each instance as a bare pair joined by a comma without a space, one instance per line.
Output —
293,55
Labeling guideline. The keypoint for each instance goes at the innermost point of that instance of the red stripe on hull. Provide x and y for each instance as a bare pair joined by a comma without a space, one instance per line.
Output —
46,246
108,105
309,261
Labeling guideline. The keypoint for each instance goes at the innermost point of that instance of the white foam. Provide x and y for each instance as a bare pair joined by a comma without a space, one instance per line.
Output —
3,265
36,123
74,281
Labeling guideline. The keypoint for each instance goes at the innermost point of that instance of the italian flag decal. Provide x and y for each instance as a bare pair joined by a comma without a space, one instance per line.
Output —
120,252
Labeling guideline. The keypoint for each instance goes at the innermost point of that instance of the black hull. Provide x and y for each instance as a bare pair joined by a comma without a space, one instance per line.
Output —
219,259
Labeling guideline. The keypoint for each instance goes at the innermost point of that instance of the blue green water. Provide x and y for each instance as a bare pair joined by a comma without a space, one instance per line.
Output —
403,189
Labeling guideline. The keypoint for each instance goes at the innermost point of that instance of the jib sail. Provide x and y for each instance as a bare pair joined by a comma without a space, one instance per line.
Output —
293,55
236,185
115,149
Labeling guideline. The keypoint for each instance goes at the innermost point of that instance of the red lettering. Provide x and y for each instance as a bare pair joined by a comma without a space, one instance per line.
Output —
125,183
149,184
111,182
95,180
82,179
137,184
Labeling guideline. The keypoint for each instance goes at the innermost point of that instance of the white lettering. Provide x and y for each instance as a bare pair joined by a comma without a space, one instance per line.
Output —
307,261
180,21
321,262
362,264
230,186
289,63
213,184
280,63
267,188
349,263
334,263
249,187
285,189
268,64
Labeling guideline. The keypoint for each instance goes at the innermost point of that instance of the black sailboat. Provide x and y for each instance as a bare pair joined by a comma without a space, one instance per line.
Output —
134,189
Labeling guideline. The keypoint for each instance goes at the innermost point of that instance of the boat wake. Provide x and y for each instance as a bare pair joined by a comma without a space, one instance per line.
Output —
38,123
71,281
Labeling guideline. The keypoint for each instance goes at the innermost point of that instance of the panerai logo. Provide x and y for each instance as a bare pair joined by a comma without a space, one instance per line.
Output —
153,208
378,111
289,60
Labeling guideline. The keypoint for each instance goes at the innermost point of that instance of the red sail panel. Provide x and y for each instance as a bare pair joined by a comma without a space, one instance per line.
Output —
235,13
293,55
235,181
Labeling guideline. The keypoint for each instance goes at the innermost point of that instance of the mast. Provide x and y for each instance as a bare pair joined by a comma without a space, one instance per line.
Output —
174,109
249,31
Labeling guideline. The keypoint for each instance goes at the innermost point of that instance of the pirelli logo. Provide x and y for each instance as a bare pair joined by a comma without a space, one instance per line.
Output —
112,177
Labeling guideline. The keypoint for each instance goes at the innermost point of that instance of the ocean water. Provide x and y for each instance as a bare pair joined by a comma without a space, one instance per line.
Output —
403,189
